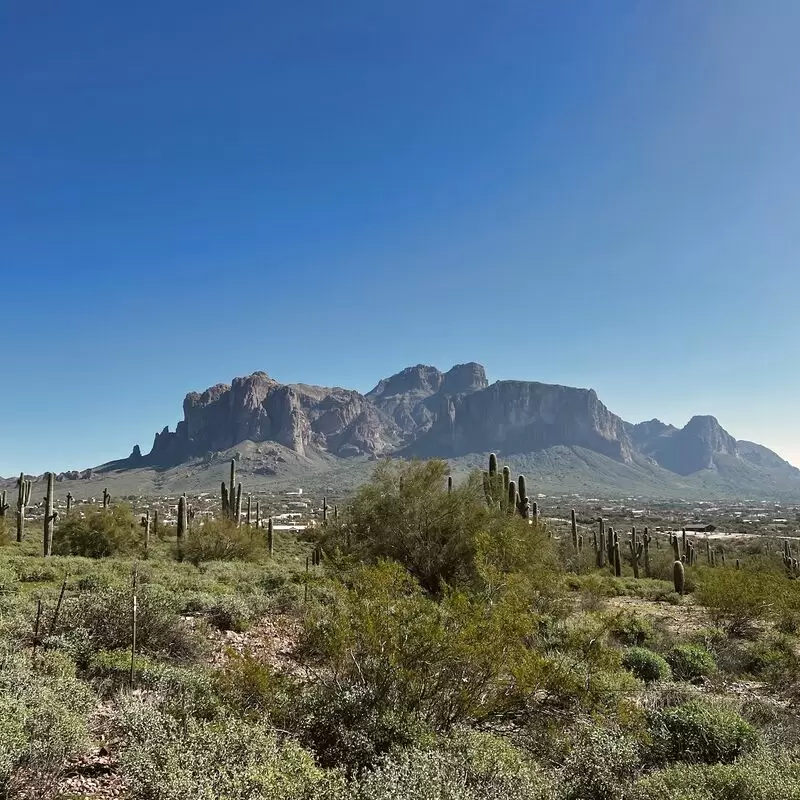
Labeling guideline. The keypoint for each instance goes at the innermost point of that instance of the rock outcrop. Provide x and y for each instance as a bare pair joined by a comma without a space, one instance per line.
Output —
422,411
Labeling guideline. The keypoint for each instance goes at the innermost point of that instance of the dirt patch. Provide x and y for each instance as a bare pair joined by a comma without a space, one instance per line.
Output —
681,620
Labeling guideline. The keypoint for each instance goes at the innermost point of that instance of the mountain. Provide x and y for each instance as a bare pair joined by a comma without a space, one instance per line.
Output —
565,435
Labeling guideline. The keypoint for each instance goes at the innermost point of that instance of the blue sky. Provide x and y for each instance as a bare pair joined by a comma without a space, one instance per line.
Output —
599,194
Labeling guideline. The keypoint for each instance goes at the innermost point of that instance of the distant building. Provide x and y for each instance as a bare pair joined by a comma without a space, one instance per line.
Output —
700,528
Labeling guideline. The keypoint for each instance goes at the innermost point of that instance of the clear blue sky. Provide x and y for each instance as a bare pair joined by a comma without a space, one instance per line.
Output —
601,194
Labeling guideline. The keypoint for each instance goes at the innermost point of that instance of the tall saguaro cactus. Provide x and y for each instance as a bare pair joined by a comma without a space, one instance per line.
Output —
50,514
646,539
106,498
182,524
601,544
23,498
232,497
3,503
70,498
636,548
574,527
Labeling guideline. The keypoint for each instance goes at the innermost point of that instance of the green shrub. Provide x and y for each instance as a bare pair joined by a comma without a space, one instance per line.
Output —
772,658
701,732
42,723
222,760
690,662
105,616
761,776
101,533
222,540
230,613
600,765
738,599
469,766
630,628
646,665
253,688
406,514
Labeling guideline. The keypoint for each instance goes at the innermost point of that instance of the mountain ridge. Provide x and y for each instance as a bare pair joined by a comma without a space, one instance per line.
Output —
424,412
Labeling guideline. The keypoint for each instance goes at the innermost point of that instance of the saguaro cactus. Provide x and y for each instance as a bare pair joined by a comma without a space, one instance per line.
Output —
258,514
513,497
181,532
617,562
70,498
676,548
646,539
325,504
3,503
50,514
23,498
636,548
678,576
270,537
574,526
145,523
601,545
106,498
249,508
232,497
610,546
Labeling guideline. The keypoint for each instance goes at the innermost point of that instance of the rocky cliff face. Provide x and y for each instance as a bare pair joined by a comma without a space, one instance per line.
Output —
690,449
424,412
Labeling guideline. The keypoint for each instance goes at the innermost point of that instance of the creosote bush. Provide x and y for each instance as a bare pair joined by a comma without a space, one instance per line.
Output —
99,534
222,540
105,619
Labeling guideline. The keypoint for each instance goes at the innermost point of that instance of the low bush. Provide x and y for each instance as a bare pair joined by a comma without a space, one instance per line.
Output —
468,766
230,613
227,759
253,688
630,628
105,616
738,599
600,765
646,665
761,776
42,723
701,732
101,533
771,658
691,662
222,540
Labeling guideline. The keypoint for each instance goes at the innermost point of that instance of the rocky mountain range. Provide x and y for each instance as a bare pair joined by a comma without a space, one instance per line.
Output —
424,412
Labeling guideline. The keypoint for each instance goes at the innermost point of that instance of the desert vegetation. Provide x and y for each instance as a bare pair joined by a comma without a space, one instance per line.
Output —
430,638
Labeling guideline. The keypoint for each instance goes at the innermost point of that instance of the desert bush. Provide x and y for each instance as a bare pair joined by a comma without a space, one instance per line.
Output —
630,628
42,722
690,662
762,776
646,665
738,599
773,658
105,617
600,765
222,540
252,687
101,533
230,613
406,514
467,766
226,759
699,731
9,581
385,649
